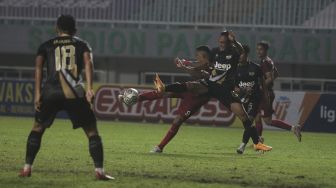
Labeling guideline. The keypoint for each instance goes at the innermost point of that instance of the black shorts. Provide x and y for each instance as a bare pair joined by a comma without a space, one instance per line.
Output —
252,105
78,110
222,92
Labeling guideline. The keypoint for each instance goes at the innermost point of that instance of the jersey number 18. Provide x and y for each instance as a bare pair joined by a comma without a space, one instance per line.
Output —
65,57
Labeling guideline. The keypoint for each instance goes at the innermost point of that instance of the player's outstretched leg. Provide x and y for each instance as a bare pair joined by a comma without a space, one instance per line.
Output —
96,152
32,148
169,136
296,129
146,96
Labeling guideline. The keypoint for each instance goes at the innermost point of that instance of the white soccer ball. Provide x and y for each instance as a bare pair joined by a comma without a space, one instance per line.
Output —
130,96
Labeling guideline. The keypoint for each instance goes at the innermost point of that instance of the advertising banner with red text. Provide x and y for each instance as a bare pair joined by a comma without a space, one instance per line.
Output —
314,111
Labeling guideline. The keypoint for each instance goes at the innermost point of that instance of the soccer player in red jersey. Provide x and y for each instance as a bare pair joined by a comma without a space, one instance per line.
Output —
270,73
220,84
190,103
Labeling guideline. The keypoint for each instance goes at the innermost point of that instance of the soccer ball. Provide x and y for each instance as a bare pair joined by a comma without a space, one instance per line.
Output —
130,96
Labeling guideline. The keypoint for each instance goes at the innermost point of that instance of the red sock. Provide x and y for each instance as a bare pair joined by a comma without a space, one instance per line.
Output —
151,95
170,135
259,127
281,124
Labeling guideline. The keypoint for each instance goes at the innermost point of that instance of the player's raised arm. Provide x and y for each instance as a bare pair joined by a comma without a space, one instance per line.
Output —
237,44
88,66
38,81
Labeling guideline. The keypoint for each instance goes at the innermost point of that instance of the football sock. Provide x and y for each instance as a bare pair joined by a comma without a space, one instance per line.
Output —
254,135
246,136
281,124
176,87
251,130
27,166
100,170
152,95
259,127
170,135
96,150
33,146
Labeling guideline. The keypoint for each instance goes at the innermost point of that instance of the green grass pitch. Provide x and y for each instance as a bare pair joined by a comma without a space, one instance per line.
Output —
197,157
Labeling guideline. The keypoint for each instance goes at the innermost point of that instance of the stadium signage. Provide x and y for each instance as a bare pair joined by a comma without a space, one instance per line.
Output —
290,47
315,111
16,97
107,107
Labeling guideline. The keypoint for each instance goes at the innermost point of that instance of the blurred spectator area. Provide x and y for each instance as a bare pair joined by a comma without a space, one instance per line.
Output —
316,14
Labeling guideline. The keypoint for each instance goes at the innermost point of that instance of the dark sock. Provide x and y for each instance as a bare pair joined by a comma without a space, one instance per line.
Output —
254,135
176,87
246,136
170,135
152,95
259,127
252,131
280,124
96,150
33,146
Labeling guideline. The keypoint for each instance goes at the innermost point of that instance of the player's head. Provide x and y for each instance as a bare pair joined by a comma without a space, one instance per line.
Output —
244,55
262,48
203,54
66,24
223,40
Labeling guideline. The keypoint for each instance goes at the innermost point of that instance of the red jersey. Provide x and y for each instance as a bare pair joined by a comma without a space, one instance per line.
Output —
267,65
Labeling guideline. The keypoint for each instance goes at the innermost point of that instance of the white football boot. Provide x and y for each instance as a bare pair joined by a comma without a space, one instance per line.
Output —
156,149
241,148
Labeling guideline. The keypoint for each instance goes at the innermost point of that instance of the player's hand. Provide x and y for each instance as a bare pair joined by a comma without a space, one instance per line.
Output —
89,96
232,36
37,102
178,62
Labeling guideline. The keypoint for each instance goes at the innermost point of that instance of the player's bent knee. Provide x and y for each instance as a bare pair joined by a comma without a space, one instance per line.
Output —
92,131
37,127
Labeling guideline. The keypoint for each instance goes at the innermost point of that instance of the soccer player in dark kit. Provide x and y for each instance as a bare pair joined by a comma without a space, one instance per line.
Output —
65,56
220,84
270,73
248,80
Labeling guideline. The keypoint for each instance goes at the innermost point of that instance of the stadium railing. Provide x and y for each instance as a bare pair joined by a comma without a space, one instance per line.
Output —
146,78
27,73
306,14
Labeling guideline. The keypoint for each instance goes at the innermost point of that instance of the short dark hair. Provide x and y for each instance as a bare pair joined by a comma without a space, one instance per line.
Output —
225,33
67,24
205,49
264,44
246,49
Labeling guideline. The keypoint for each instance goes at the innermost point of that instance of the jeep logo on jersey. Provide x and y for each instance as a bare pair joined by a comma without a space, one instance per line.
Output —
246,84
222,67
